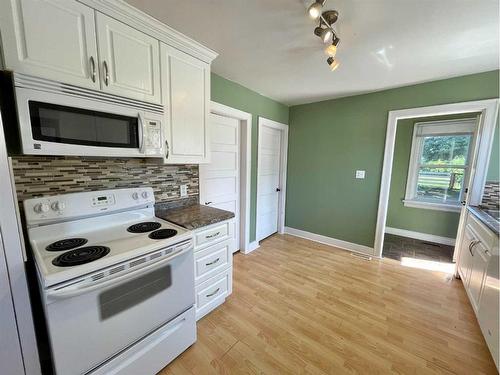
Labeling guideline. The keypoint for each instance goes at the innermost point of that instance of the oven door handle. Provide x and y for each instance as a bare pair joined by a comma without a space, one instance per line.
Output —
73,291
142,132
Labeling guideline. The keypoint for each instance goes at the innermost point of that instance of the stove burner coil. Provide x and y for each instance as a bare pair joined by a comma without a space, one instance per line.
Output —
66,244
81,255
162,234
147,226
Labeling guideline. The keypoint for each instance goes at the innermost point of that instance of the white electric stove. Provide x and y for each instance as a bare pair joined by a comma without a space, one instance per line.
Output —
117,282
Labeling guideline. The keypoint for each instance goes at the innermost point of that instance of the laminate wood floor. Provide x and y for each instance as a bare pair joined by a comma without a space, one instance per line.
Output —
299,307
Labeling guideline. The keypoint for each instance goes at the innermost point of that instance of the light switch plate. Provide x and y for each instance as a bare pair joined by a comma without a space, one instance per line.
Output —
184,191
360,174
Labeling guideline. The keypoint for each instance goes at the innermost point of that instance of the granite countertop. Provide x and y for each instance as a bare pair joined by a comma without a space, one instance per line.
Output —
485,218
188,213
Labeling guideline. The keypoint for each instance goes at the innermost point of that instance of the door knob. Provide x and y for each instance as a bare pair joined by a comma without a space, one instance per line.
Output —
278,189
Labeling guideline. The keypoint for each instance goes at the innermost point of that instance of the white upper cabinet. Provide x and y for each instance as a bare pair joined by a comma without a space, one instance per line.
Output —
129,60
186,96
52,39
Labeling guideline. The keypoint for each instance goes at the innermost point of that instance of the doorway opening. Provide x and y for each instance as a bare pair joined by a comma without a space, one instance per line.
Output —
435,165
430,174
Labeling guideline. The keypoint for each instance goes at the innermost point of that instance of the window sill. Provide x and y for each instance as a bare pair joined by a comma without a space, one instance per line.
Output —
432,206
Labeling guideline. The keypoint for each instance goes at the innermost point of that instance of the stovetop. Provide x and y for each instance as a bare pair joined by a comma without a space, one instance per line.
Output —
67,250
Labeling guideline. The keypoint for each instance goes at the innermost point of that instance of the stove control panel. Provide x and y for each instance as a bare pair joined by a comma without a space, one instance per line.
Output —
103,200
50,209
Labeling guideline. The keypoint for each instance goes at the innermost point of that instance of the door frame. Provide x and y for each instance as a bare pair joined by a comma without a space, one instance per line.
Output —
486,131
283,168
245,120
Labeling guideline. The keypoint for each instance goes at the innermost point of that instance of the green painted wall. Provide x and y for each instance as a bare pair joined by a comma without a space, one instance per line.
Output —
329,140
234,95
438,223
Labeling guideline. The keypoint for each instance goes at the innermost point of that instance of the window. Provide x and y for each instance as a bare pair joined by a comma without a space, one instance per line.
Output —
439,164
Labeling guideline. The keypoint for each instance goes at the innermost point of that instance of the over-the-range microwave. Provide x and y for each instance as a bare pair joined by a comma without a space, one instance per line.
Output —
60,119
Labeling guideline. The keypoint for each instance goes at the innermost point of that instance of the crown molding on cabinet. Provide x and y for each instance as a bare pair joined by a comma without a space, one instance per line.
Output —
136,18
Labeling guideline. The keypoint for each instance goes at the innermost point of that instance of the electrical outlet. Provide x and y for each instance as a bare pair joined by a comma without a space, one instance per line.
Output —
184,191
360,174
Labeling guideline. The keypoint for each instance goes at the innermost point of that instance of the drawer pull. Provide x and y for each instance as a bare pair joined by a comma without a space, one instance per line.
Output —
212,262
213,293
212,235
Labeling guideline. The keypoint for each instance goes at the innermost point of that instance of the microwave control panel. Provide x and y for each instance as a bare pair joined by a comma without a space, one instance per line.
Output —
153,139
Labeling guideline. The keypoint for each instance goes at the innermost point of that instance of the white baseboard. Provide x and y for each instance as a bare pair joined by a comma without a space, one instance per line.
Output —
344,245
251,247
420,236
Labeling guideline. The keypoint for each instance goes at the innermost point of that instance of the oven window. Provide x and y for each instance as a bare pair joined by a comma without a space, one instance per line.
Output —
61,124
133,292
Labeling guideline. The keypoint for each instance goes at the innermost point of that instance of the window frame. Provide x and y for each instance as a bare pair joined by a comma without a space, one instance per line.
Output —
417,144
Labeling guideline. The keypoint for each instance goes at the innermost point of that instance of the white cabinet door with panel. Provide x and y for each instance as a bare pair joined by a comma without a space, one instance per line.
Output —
53,39
465,260
129,60
186,96
220,179
479,265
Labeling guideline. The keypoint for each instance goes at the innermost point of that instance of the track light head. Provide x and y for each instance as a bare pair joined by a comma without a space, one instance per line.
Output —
332,63
324,33
331,50
315,9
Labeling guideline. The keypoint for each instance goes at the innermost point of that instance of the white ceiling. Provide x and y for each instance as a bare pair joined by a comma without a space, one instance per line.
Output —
269,46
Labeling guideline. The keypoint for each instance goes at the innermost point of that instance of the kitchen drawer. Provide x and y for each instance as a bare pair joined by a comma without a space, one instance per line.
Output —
484,234
213,292
212,260
212,234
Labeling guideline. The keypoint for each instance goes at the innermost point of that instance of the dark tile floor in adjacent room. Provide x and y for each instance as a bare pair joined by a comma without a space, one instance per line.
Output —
396,247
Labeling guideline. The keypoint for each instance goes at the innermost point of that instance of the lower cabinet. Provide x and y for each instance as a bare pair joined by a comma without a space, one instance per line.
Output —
479,270
213,262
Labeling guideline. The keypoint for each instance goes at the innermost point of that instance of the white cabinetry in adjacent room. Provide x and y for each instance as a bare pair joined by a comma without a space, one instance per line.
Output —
186,95
53,39
129,60
478,266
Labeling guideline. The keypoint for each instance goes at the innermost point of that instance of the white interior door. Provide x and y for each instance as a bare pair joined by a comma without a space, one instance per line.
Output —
220,179
268,181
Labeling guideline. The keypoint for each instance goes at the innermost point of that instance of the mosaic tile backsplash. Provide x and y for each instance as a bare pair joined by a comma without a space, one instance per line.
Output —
51,175
491,195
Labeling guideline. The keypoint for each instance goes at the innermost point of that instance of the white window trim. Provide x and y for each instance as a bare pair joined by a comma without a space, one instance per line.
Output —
416,150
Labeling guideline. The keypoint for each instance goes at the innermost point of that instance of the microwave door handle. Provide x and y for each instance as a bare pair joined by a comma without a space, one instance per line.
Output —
142,132
74,291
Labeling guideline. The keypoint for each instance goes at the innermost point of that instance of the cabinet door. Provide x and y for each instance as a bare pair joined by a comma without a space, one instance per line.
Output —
478,271
129,61
465,259
53,39
186,96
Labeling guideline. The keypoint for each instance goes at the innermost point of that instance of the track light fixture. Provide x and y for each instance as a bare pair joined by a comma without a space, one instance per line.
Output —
332,63
325,30
315,9
324,33
331,50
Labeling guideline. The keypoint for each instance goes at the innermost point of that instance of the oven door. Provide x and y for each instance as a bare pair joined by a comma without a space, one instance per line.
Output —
88,324
58,124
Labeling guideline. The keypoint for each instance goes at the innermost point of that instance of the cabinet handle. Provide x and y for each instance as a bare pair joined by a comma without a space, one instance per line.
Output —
207,203
471,246
168,148
106,72
213,262
93,72
213,293
212,235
